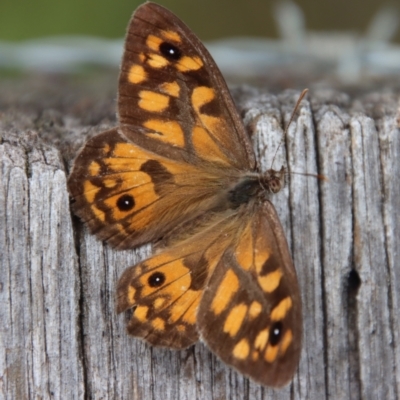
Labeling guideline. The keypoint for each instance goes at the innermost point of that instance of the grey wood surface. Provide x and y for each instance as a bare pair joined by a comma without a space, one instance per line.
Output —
60,335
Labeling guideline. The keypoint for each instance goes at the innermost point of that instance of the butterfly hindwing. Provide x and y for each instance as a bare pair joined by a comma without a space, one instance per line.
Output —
165,290
160,291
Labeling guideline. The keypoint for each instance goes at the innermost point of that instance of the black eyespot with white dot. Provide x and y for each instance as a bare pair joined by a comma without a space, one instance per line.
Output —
156,280
126,202
275,333
170,51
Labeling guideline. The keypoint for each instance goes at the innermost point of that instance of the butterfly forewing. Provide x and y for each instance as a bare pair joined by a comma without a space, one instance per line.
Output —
172,93
179,142
130,196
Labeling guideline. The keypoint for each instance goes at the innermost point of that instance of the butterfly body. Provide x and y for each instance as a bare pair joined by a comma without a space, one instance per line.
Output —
179,171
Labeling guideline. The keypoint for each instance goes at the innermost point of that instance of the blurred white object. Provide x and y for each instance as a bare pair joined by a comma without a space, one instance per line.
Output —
384,25
351,54
345,56
60,54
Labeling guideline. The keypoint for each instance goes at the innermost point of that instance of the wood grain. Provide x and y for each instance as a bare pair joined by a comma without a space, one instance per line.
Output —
60,336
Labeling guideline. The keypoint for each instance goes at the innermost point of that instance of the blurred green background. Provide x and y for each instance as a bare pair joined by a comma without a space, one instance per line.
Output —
25,19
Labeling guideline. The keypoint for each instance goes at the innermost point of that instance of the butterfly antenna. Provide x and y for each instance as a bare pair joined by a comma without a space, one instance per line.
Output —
318,176
301,97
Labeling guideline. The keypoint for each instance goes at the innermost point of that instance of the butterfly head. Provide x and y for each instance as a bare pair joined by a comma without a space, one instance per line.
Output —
272,180
254,186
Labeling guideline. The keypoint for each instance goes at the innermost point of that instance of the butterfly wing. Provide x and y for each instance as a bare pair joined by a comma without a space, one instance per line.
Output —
233,283
180,142
250,314
129,196
172,97
165,290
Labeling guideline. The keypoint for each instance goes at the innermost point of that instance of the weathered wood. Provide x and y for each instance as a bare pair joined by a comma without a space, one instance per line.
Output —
60,336
40,279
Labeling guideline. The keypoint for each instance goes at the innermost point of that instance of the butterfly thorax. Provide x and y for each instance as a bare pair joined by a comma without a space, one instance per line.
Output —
256,185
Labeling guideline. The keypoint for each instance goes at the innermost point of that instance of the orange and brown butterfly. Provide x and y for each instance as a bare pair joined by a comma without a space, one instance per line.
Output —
179,171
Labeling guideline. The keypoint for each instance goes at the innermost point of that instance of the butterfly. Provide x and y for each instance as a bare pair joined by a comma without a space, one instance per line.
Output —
179,171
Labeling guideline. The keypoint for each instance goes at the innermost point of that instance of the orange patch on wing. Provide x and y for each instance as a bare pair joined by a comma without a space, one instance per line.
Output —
262,339
270,281
157,61
213,124
94,168
166,131
106,148
100,214
141,313
280,311
202,95
227,288
271,353
171,35
126,150
186,64
90,191
171,88
136,74
244,249
235,319
286,340
158,324
242,349
109,183
153,42
159,302
255,309
206,147
152,101
261,255
121,165
131,295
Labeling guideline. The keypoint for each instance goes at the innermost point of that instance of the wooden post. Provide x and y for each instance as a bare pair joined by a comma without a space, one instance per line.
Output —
60,336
